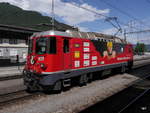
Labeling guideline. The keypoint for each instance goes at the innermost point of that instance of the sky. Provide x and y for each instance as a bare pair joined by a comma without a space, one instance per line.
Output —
132,15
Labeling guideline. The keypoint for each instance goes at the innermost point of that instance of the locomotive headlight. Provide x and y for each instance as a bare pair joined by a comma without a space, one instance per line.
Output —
24,72
43,66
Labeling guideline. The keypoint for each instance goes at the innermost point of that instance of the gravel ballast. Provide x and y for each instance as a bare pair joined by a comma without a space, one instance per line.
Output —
74,100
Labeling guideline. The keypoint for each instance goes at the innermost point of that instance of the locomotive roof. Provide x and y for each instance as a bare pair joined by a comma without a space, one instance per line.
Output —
84,35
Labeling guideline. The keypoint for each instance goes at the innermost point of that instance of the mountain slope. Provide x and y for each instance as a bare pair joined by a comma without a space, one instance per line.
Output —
13,15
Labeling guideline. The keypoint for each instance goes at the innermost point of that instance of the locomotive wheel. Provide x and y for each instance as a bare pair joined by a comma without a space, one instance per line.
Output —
119,70
32,87
83,80
90,77
57,87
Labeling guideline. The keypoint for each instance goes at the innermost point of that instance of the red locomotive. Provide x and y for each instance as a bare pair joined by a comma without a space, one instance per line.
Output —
55,58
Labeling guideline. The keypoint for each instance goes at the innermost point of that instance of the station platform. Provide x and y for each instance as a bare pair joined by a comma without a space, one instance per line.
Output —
139,57
11,71
9,86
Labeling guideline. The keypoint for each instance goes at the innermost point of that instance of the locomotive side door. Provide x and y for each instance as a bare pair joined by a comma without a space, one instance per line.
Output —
66,54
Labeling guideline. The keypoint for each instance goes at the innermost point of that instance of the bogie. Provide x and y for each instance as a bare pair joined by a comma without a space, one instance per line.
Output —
57,87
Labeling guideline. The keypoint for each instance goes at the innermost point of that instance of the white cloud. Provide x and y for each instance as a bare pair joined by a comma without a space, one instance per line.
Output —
74,15
110,31
24,4
69,13
132,38
84,29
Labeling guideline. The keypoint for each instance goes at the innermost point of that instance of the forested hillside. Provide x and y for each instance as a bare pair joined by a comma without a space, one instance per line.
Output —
13,15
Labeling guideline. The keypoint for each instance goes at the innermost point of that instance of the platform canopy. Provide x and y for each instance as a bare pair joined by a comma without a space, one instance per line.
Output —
9,31
17,29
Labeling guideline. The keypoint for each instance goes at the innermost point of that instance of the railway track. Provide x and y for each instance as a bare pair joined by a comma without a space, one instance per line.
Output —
18,95
128,99
134,101
146,90
17,76
5,98
11,98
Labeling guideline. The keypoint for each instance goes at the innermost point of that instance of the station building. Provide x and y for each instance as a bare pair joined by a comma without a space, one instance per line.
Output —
14,43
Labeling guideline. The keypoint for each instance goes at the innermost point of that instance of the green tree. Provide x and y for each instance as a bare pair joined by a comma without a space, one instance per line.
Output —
140,48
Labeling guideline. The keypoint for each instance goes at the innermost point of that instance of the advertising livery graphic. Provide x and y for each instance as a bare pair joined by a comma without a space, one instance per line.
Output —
110,53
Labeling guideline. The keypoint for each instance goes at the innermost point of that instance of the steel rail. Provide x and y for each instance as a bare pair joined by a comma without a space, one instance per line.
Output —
137,97
16,96
4,98
17,76
134,100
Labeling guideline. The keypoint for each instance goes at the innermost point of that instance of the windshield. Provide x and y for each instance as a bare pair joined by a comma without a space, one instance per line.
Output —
41,45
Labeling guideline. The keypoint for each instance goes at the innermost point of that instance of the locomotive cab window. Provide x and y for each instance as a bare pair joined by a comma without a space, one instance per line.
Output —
66,46
119,48
41,45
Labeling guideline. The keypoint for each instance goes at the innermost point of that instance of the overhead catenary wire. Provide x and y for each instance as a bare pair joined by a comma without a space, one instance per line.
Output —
118,27
99,14
123,12
107,18
127,24
137,32
92,11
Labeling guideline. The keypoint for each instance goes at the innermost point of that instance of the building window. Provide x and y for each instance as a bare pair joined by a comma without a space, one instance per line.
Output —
13,41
